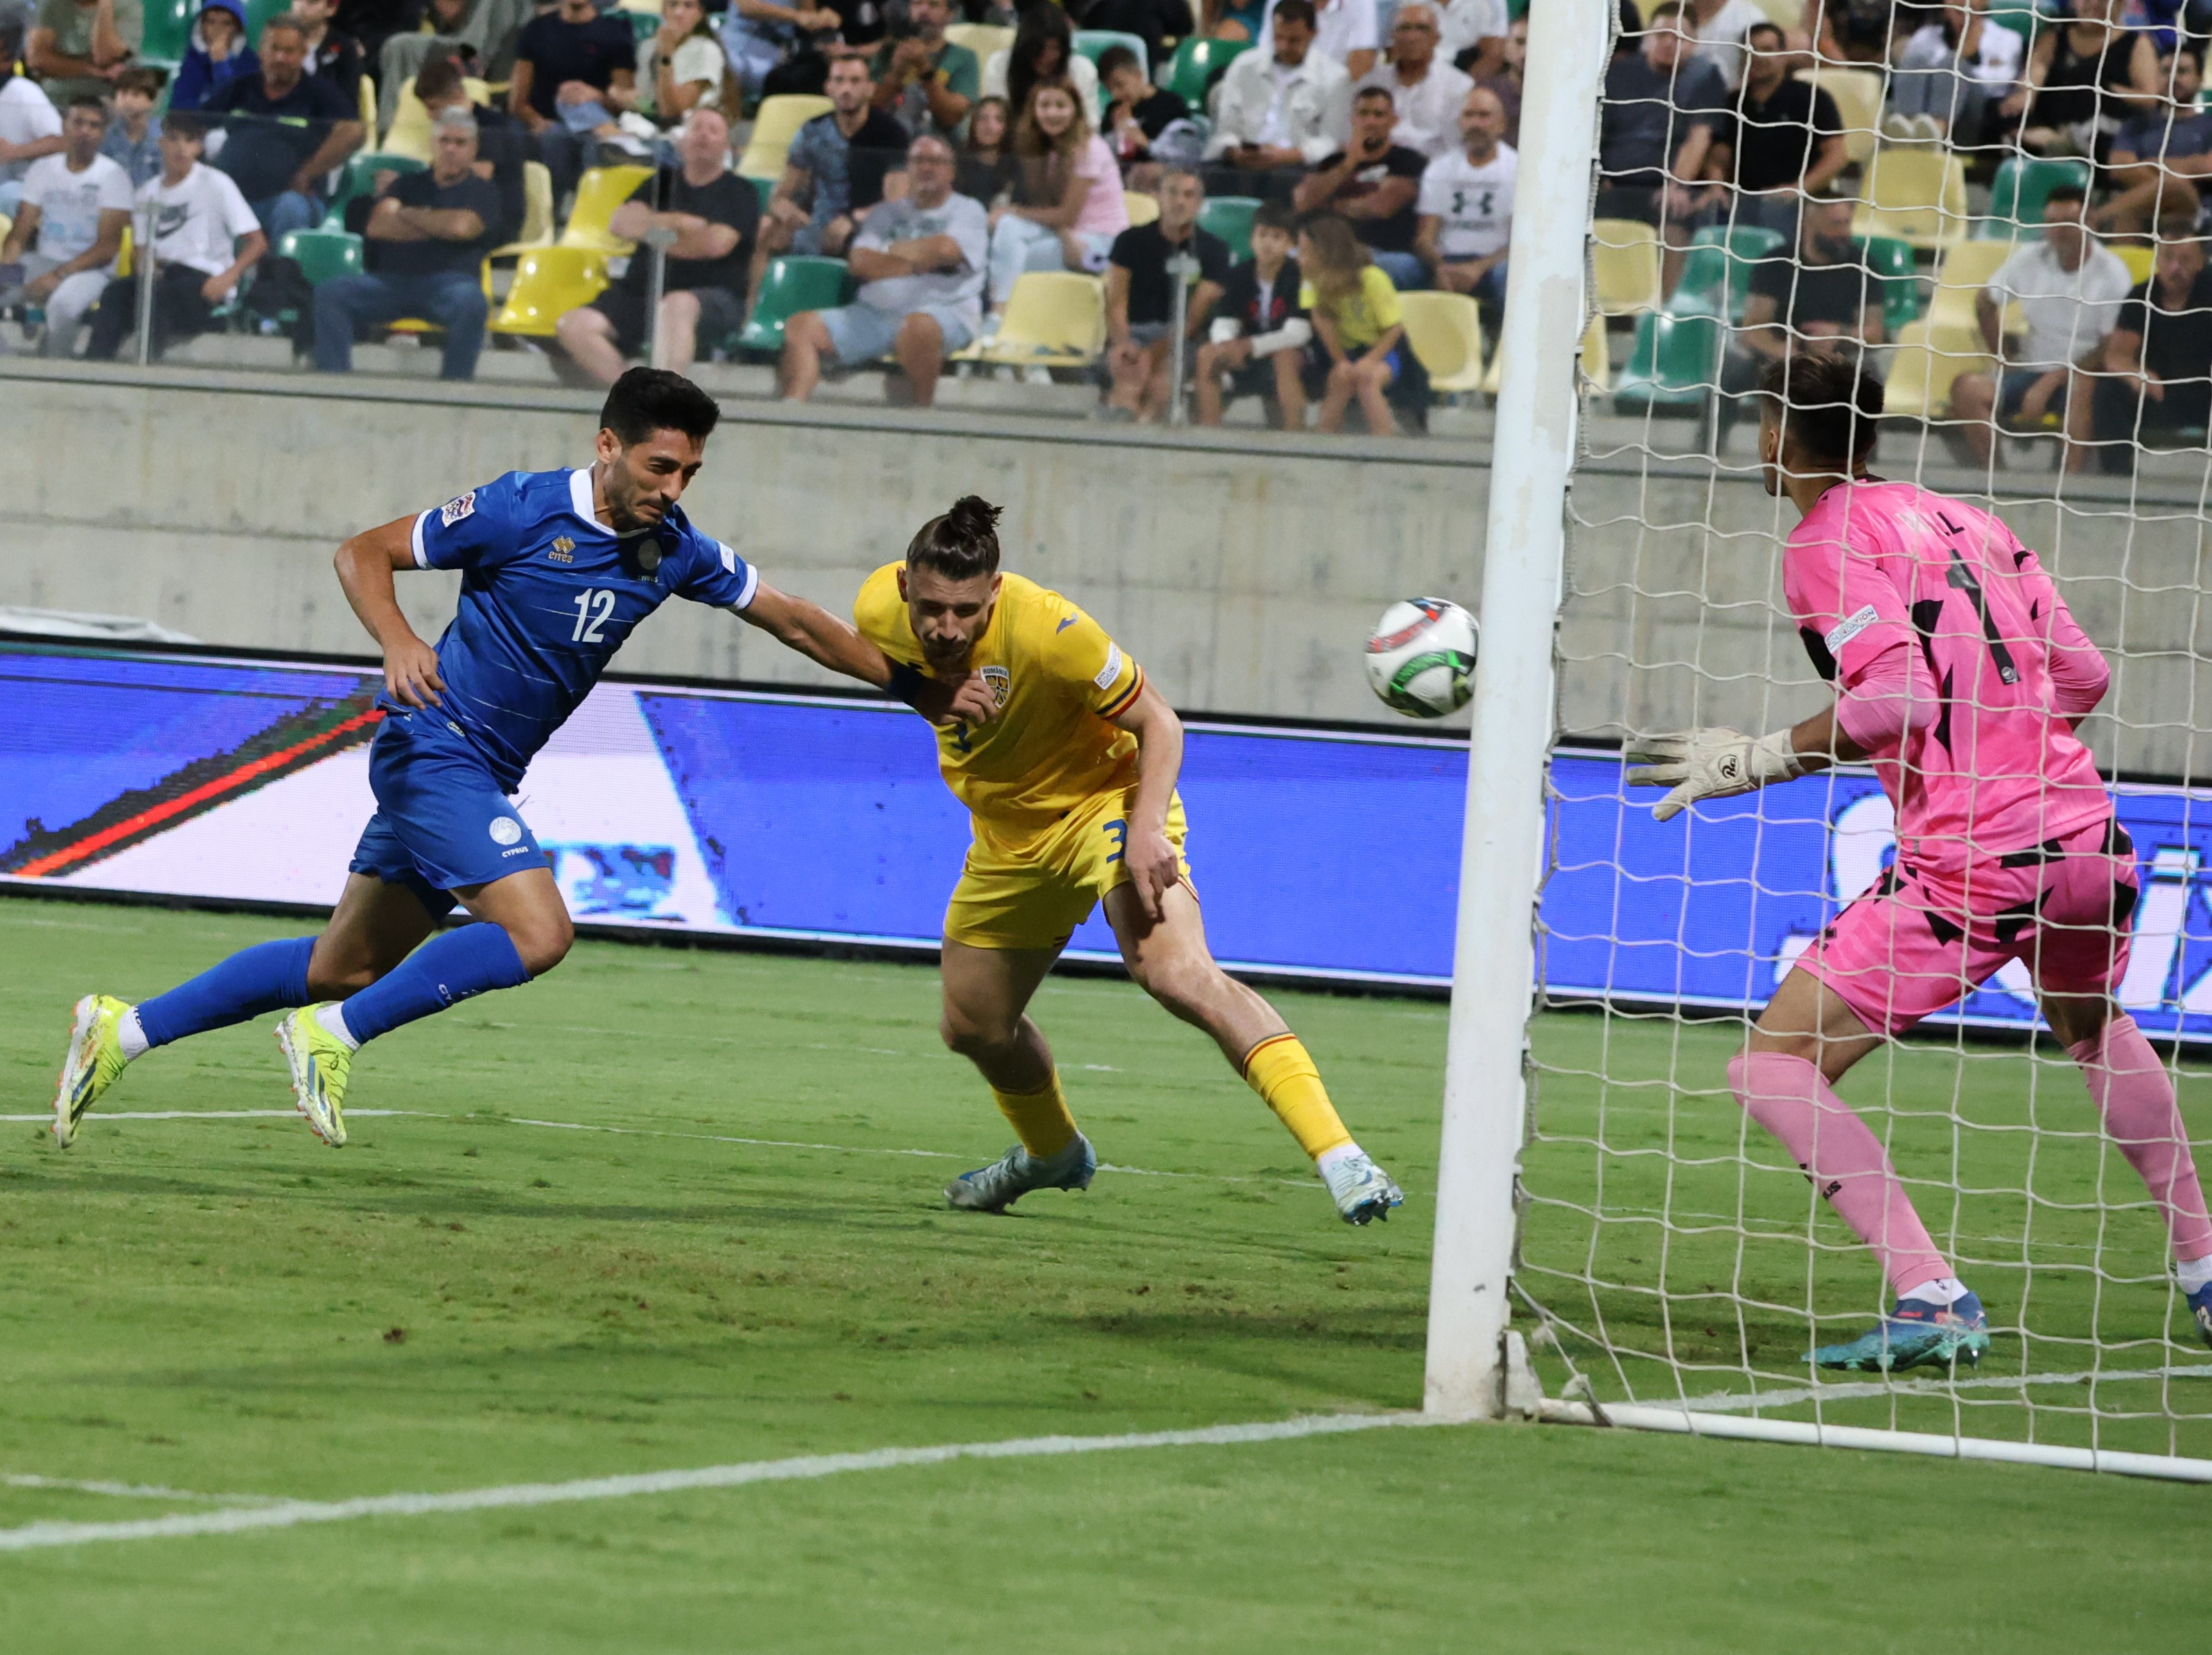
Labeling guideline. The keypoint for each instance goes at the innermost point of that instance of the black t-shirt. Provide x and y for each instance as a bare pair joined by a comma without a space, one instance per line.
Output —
1150,20
1803,293
337,60
2176,345
1776,141
1395,232
1143,251
435,256
728,199
557,52
1647,115
271,138
1240,298
878,149
861,21
502,143
984,180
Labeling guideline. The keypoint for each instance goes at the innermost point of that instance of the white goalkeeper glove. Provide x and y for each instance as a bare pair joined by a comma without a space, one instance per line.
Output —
1710,763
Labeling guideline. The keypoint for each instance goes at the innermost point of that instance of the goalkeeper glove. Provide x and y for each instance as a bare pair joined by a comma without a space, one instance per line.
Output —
1710,763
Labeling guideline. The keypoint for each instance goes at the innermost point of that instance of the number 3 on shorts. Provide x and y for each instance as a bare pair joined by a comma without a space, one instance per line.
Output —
1118,832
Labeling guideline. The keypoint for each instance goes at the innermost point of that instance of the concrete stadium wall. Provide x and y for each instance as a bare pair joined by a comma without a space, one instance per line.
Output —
1243,570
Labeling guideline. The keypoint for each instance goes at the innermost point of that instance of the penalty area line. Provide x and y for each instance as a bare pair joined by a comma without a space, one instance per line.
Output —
294,1513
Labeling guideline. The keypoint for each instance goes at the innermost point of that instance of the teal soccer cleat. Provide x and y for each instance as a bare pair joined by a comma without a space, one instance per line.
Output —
995,1188
1915,1334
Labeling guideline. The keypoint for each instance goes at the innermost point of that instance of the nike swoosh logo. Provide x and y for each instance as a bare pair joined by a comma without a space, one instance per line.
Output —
1065,624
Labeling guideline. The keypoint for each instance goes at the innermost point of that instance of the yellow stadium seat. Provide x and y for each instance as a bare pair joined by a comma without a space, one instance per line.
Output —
1054,318
1951,324
1625,255
598,192
1917,195
536,212
122,254
651,7
774,124
2137,257
1143,209
1785,14
1596,362
367,86
1920,373
1445,330
548,281
981,38
409,132
1857,93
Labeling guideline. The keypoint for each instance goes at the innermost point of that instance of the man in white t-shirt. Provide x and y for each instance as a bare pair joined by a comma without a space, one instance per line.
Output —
30,125
1345,32
1467,207
68,228
1719,25
2070,288
205,239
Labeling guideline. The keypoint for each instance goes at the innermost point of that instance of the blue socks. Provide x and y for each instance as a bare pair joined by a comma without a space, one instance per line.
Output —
449,968
270,976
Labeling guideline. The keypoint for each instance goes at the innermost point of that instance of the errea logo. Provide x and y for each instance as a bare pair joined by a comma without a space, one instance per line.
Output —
564,550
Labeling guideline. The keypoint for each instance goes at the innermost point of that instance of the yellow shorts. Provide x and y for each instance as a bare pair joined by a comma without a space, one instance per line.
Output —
1036,898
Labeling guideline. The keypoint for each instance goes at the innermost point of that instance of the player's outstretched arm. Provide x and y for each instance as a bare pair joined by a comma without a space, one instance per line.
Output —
1153,865
365,565
1718,762
820,636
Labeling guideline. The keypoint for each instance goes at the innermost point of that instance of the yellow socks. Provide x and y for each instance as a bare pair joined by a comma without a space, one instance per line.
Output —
1039,1119
1280,1071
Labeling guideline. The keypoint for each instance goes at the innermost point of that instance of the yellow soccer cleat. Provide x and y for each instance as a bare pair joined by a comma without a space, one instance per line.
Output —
320,1062
95,1058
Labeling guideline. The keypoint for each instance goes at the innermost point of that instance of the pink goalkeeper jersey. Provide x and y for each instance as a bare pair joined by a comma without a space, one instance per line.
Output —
1888,579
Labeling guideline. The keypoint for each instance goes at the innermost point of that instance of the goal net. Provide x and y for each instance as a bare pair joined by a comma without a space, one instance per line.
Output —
1672,1265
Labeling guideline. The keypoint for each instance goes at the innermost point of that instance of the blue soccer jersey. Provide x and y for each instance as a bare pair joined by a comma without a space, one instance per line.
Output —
548,595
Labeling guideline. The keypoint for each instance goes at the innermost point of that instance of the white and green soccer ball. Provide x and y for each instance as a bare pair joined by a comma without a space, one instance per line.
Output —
1420,657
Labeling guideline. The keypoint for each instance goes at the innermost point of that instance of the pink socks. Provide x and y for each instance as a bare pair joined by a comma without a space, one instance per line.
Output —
1788,1097
2135,1097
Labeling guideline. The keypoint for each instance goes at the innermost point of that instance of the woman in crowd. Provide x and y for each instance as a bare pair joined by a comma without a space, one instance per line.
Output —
985,167
1359,347
2084,82
1067,206
680,66
1044,50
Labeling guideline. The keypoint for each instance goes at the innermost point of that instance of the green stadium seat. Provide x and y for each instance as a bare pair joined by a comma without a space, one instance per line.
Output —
793,284
1197,64
359,179
257,13
2017,194
321,254
1229,217
1716,277
643,25
1676,363
1095,43
1891,260
168,29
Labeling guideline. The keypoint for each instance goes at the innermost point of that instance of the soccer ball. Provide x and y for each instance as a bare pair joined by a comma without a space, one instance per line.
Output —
1420,654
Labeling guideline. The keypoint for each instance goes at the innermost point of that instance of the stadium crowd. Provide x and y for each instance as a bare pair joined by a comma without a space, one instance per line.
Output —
1308,204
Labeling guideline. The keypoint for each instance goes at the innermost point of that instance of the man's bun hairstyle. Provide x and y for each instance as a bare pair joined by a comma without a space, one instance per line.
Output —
1829,406
648,400
961,544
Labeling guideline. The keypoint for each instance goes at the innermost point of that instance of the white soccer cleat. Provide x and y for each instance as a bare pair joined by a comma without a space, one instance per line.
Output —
1361,1190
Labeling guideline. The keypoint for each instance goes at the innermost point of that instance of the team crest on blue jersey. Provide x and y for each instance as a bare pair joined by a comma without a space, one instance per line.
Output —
455,509
1000,682
564,550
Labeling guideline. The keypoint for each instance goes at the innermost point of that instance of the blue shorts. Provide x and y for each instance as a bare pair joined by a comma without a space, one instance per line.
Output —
860,333
442,821
2016,385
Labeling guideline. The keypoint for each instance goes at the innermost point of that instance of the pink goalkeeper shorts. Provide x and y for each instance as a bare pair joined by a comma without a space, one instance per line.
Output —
1917,942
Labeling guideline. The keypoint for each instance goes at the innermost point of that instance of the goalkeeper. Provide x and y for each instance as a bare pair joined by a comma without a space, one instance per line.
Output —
1960,674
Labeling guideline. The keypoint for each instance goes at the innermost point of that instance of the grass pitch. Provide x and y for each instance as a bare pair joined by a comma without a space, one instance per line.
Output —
755,1265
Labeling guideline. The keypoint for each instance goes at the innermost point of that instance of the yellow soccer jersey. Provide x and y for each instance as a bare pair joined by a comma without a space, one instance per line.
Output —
1058,678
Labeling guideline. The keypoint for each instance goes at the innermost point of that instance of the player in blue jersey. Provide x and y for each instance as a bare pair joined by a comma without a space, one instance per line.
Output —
557,568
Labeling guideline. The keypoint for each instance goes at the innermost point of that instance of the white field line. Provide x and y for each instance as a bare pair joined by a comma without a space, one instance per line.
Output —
1744,1401
293,1514
132,1490
622,1131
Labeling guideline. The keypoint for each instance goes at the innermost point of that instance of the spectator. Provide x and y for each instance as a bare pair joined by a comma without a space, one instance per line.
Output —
2071,289
482,33
1044,50
1359,348
1825,298
284,131
1230,20
2159,161
2157,361
986,169
1257,338
430,232
1720,28
1426,95
1345,32
1067,207
923,79
920,262
760,37
205,240
1853,31
680,65
372,22
714,215
575,70
2083,80
840,165
78,46
1153,21
1466,208
1509,82
215,54
1662,110
68,227
134,142
1785,141
30,125
1373,182
1474,34
1140,295
1139,112
332,54
1281,109
1936,93
502,151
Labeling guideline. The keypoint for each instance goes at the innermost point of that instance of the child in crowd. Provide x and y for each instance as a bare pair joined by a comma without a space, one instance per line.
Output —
133,142
1067,207
985,168
1359,347
1138,113
217,56
1257,338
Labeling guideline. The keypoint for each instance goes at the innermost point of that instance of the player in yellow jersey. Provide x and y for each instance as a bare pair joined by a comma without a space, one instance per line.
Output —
1073,791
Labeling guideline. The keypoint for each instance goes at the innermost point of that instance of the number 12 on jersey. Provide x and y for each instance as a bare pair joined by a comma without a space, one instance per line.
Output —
592,609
